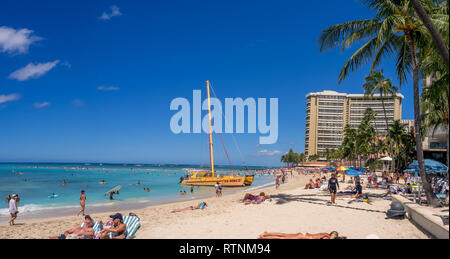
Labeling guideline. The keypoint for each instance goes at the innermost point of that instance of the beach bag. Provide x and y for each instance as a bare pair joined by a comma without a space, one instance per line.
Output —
397,211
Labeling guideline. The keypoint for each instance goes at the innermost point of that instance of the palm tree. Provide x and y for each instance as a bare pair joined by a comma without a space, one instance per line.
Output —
438,39
395,30
396,135
375,82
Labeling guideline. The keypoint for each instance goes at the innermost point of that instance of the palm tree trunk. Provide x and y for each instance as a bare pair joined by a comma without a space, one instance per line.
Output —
387,134
431,198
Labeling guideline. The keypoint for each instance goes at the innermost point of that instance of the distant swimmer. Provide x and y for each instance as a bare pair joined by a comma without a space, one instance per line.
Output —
64,183
102,182
148,190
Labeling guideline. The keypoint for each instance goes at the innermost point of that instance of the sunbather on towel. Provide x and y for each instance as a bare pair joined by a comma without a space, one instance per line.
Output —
257,200
118,230
200,206
80,232
356,192
332,235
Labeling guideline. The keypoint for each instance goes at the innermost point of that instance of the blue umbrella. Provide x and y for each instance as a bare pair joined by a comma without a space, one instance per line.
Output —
353,172
431,166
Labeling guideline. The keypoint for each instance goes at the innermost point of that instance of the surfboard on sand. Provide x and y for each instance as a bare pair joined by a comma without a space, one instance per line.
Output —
115,189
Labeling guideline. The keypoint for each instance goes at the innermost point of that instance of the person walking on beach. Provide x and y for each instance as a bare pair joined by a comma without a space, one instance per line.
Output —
82,203
218,189
13,208
333,186
277,182
192,188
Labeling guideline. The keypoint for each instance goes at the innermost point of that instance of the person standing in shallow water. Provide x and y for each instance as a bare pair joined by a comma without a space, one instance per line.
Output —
82,203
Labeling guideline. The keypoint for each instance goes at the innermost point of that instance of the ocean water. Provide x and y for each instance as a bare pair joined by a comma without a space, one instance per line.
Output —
34,183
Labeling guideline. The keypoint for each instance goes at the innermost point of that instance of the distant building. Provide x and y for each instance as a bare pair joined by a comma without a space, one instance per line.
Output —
328,112
408,124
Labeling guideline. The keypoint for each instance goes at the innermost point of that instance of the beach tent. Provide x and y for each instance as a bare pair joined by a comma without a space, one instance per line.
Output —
431,167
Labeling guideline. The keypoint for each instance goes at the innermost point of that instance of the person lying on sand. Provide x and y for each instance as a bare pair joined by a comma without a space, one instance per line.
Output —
255,200
200,206
310,185
118,230
332,235
79,232
356,192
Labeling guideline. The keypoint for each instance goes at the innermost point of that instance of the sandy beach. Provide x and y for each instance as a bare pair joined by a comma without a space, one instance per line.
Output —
292,210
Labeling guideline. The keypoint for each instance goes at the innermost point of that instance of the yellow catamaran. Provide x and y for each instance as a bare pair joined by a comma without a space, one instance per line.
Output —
210,178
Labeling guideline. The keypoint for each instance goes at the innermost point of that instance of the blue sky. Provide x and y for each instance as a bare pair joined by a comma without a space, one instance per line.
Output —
92,81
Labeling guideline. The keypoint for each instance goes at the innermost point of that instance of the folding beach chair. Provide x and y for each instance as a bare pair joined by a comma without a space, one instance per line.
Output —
133,224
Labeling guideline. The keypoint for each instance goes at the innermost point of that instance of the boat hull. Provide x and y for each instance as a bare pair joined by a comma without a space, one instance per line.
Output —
249,179
211,181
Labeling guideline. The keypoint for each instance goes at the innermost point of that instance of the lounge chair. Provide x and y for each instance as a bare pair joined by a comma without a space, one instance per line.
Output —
133,224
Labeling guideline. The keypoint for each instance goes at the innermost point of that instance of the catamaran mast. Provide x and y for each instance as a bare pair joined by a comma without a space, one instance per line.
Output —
211,156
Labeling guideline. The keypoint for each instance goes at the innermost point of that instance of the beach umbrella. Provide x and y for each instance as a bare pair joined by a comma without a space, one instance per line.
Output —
431,166
341,168
353,172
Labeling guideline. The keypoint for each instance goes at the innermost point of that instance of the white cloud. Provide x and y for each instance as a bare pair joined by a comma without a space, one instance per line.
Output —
9,98
266,152
41,105
114,11
108,88
33,71
14,41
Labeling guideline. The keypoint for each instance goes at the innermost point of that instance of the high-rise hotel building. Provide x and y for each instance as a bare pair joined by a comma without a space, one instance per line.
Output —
328,112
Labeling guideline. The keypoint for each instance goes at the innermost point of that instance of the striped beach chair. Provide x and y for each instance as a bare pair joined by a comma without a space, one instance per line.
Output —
97,229
133,224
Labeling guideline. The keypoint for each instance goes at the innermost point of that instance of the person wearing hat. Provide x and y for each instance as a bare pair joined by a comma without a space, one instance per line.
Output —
13,208
118,230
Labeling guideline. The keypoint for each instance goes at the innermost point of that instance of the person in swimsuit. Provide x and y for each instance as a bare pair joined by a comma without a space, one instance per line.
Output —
256,200
333,185
82,203
332,235
200,206
80,232
118,230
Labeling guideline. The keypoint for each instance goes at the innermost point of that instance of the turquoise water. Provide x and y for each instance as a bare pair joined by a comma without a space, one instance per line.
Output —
34,183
